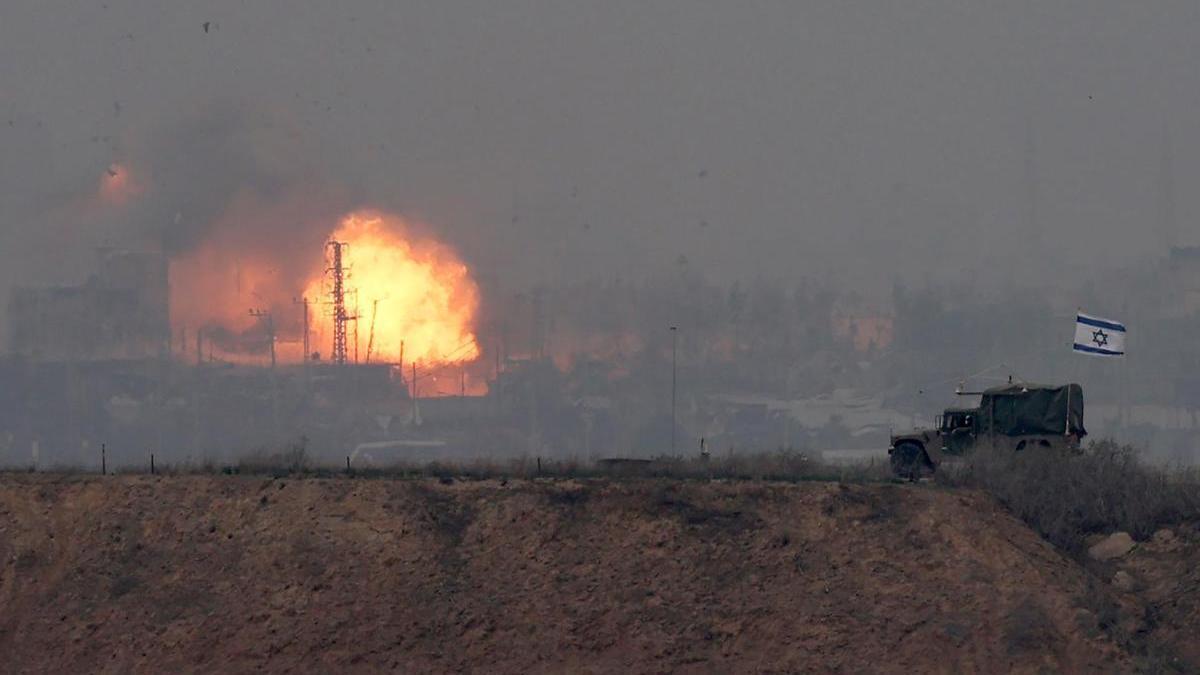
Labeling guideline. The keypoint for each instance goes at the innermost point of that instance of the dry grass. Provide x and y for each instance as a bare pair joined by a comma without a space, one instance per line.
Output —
1066,497
781,465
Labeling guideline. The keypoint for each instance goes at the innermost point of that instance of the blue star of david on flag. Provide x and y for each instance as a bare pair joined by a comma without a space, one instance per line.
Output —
1096,336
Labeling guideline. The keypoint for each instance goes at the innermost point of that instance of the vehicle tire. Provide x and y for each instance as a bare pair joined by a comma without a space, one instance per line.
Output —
910,462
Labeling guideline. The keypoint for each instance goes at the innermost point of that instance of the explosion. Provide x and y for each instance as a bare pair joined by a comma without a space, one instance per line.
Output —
409,298
117,186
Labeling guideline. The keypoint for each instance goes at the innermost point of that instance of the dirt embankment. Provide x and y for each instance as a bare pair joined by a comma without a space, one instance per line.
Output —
1158,586
237,574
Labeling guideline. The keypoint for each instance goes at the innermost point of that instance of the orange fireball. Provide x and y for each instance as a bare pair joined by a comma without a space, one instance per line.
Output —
403,293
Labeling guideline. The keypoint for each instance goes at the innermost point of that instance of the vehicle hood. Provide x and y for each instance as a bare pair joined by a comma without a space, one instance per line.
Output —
920,434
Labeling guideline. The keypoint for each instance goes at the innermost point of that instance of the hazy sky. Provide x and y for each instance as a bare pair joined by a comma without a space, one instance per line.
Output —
552,141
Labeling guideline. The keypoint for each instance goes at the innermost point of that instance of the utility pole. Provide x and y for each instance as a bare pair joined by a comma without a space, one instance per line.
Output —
355,318
674,344
263,313
416,415
371,333
497,371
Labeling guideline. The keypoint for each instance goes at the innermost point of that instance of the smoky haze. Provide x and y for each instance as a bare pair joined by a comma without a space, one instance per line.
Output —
549,141
874,198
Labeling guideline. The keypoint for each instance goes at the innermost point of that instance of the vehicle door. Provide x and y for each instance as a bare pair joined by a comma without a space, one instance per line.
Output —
958,432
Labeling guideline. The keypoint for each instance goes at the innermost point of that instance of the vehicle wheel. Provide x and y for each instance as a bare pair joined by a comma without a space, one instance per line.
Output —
909,461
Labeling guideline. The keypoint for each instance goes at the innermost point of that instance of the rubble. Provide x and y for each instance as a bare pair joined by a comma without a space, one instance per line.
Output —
1115,545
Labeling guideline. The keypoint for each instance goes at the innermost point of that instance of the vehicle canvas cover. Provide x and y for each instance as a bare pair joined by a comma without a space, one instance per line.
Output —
1032,409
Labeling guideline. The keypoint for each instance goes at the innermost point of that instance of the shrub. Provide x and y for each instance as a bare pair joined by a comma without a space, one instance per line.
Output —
1068,496
290,459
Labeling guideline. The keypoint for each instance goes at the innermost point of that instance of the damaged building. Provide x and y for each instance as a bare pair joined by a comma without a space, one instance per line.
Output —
120,313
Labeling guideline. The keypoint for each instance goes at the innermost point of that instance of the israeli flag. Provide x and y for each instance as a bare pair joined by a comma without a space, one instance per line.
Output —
1099,337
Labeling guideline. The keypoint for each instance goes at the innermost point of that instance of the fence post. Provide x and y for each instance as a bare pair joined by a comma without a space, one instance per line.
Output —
152,464
347,463
103,460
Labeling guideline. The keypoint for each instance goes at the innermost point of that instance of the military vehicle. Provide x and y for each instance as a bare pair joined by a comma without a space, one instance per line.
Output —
1013,417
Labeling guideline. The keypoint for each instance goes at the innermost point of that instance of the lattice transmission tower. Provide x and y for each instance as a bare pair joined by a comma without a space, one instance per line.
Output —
339,301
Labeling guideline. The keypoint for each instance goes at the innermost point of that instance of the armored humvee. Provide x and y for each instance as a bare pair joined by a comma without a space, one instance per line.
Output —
1013,417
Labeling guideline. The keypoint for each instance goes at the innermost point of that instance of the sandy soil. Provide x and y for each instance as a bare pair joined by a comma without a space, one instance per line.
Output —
236,574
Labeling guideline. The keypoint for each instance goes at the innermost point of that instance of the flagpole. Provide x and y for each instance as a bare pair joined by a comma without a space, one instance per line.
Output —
1124,372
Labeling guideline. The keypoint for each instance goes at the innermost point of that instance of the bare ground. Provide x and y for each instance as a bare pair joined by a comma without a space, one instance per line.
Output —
204,573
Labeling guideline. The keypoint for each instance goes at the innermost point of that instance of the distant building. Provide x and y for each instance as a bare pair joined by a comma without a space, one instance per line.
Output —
121,312
866,330
1183,266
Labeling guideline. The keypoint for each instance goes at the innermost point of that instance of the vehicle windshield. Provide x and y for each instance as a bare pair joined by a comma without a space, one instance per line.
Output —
957,420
